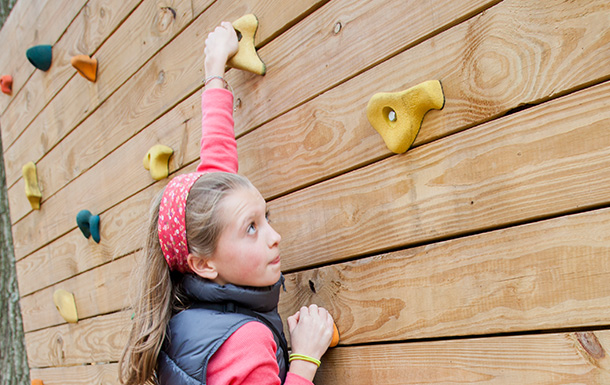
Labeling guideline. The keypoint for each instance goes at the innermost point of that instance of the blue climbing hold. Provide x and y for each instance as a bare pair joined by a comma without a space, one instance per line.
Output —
40,56
89,224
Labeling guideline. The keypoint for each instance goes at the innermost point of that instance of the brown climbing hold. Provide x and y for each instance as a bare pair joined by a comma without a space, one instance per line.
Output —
6,84
157,161
86,66
247,58
32,189
398,116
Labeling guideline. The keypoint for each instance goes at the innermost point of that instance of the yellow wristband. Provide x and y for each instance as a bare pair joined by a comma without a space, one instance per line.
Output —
302,357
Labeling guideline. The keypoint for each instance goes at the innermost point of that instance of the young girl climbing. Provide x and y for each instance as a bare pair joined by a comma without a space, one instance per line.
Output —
206,310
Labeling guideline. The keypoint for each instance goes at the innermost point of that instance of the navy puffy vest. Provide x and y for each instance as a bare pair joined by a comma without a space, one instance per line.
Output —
196,333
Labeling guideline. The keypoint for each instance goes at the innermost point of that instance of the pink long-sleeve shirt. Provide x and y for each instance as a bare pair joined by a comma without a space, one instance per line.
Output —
247,357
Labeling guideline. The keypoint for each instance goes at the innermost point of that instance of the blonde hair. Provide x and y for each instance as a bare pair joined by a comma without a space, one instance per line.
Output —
159,293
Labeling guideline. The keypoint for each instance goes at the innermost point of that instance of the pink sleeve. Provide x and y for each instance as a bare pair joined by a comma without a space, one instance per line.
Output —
247,357
218,145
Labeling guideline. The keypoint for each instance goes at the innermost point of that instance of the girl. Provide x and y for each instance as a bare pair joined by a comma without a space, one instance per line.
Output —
206,310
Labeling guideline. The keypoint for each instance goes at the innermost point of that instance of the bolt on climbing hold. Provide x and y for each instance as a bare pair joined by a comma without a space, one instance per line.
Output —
157,161
32,189
86,66
66,305
247,58
36,381
89,224
6,84
398,116
40,56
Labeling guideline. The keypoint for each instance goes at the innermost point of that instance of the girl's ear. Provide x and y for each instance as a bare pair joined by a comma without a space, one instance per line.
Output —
203,267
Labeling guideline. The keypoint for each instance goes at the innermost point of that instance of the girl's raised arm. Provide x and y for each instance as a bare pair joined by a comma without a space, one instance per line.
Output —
218,145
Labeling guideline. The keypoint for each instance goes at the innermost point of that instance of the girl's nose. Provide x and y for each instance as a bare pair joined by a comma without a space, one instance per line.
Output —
274,237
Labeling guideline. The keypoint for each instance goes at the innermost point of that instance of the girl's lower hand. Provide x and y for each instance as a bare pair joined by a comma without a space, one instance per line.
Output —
220,45
311,331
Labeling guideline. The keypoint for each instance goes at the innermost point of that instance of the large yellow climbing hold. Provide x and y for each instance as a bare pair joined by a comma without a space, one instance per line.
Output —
32,189
398,116
157,161
65,304
247,58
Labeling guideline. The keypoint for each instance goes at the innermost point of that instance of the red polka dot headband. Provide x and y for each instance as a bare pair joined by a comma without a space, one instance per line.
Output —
172,221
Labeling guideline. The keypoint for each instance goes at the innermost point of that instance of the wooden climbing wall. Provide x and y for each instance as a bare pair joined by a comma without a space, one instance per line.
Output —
482,255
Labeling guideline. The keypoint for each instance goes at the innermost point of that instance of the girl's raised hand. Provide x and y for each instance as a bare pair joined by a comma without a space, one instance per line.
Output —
220,45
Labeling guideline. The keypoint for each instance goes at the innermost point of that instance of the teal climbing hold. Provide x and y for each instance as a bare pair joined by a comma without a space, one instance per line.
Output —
40,56
89,224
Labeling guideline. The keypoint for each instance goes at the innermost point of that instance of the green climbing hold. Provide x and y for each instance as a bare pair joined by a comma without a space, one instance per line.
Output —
40,56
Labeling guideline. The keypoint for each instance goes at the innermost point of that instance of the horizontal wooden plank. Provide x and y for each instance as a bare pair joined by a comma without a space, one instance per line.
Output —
102,374
545,161
505,67
564,358
90,28
38,22
122,121
98,339
323,58
148,29
541,276
100,291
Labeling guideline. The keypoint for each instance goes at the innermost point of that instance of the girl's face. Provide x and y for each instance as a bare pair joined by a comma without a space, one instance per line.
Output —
248,251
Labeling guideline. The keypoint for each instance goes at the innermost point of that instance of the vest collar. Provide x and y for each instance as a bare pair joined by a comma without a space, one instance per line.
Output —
260,299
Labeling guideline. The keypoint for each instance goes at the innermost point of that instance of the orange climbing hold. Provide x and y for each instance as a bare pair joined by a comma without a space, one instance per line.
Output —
86,66
335,341
6,84
37,382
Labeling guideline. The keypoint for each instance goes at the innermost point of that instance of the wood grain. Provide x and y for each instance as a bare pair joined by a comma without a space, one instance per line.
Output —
46,22
98,339
542,162
101,374
541,276
506,57
574,358
150,27
90,28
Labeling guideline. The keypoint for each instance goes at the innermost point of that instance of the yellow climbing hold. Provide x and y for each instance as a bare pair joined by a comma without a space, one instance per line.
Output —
157,161
398,116
86,66
247,58
32,189
65,304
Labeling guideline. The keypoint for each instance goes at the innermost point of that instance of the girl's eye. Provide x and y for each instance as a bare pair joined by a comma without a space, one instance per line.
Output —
267,217
251,228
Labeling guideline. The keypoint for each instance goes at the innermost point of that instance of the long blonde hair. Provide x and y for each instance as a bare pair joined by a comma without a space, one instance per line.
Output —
159,293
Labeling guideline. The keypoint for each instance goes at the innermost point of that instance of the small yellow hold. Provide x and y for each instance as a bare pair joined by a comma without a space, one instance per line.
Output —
398,116
157,161
32,189
247,58
65,304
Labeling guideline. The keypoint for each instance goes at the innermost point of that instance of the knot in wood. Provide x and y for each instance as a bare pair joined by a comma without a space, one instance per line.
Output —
167,16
